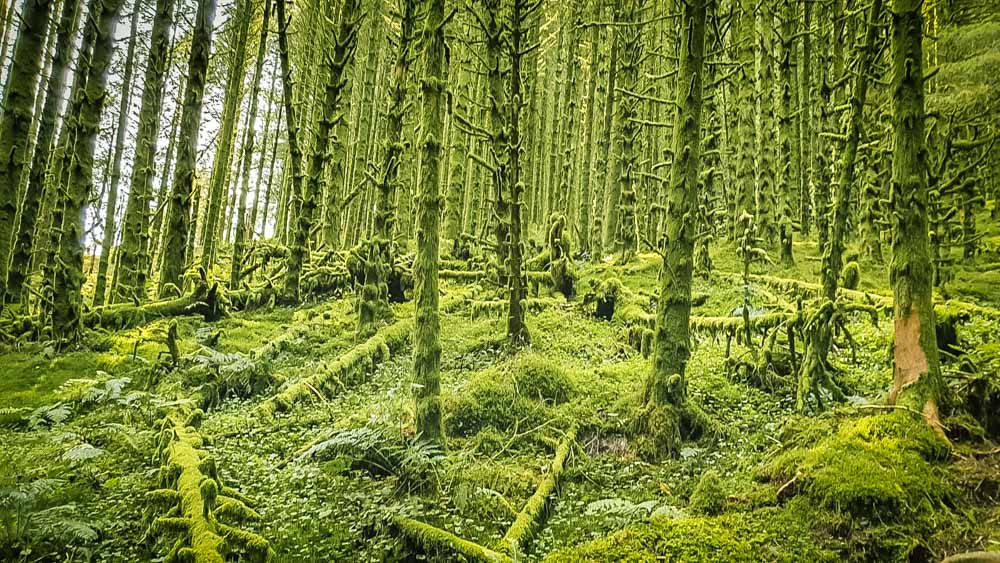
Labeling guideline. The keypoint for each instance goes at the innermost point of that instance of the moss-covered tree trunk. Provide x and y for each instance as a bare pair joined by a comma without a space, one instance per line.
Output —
111,209
587,172
833,254
336,63
134,254
672,346
764,153
24,234
336,190
427,336
805,107
240,237
498,137
787,158
15,123
388,183
87,106
746,185
294,157
217,192
175,247
255,211
627,133
517,330
608,219
666,387
917,379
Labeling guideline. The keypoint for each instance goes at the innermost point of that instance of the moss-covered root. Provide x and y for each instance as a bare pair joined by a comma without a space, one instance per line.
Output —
527,522
194,501
429,539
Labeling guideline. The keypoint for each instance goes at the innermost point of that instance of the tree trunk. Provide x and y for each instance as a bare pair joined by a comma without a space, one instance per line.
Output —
239,239
175,247
87,106
672,338
15,123
116,168
917,379
336,65
517,330
49,123
427,337
227,135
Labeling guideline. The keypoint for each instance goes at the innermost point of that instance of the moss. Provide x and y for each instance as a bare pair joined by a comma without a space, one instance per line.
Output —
876,467
851,276
763,535
506,396
709,496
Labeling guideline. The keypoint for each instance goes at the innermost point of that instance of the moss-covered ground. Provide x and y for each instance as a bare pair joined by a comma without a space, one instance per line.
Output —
857,482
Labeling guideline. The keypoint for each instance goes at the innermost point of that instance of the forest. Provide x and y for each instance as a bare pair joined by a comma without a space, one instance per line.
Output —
500,280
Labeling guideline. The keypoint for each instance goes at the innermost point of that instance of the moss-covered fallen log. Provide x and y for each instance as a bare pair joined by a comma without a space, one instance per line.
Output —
347,369
194,501
633,316
529,520
432,540
352,365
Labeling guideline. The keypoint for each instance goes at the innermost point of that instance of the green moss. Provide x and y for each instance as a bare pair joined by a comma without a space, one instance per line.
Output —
875,467
32,378
516,394
763,535
435,541
709,496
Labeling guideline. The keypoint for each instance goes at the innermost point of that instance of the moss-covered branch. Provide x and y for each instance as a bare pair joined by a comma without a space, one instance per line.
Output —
527,522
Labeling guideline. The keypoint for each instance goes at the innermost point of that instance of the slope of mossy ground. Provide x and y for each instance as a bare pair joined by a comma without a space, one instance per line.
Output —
329,473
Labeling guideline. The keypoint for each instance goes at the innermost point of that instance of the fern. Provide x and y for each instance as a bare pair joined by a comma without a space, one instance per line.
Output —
82,452
625,511
50,415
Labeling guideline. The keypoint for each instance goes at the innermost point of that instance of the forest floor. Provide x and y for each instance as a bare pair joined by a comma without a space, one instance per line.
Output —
327,475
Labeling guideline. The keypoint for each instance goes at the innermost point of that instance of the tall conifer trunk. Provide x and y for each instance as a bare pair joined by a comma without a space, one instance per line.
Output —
111,209
217,193
175,246
15,123
917,379
667,387
88,103
134,255
239,239
427,338
24,235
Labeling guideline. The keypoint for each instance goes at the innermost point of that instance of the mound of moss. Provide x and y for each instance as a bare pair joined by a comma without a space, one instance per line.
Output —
877,467
513,394
709,496
763,535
